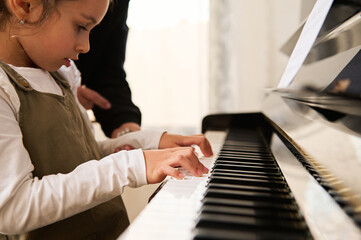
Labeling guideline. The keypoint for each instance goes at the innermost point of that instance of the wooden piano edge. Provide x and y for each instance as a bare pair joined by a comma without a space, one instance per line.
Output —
157,190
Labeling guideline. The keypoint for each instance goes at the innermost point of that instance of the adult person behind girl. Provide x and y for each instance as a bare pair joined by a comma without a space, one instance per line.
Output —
57,182
105,89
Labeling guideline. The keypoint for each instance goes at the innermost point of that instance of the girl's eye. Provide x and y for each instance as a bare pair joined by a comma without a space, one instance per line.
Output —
82,28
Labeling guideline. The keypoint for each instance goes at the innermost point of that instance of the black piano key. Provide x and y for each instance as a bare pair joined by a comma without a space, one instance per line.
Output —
357,218
246,187
248,203
252,160
248,168
244,149
245,143
239,157
245,211
241,160
248,195
241,234
217,234
246,159
255,139
325,185
245,163
245,153
247,175
247,181
219,221
216,170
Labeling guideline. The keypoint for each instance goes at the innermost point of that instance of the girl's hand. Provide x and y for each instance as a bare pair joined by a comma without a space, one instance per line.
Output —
160,163
171,140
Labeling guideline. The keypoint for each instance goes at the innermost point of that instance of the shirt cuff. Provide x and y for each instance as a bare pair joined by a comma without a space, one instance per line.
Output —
145,139
135,164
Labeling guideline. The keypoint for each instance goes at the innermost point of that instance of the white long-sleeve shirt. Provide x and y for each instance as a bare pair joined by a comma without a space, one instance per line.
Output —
27,202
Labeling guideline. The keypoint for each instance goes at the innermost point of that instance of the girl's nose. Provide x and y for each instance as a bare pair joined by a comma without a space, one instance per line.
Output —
83,45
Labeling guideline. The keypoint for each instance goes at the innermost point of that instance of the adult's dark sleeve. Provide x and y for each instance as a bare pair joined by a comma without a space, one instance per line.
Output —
102,69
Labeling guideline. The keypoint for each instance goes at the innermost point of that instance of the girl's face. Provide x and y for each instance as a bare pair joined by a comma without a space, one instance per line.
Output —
63,35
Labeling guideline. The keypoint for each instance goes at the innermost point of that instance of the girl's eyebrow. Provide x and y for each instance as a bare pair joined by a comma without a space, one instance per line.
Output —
89,18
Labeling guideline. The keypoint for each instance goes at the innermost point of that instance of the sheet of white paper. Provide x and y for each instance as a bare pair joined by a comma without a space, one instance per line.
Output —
305,41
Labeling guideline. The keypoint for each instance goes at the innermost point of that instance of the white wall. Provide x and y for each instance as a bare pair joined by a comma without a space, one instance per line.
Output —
167,61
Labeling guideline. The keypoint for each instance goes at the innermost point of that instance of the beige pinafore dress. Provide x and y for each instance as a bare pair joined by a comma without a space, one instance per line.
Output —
58,140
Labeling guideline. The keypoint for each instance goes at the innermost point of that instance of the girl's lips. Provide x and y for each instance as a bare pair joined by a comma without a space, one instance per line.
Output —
67,62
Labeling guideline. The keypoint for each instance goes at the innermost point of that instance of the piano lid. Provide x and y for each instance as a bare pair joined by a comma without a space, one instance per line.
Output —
340,32
321,109
327,86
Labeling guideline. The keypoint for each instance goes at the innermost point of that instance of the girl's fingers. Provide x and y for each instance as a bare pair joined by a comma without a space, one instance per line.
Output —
187,159
160,163
170,171
201,141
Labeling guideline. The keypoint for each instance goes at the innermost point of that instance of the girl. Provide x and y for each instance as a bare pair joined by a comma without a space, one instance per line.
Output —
57,182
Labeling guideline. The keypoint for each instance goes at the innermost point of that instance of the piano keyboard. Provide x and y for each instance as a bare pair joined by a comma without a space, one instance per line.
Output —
245,196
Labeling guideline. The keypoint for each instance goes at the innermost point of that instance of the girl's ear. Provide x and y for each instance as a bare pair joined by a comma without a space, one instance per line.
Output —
26,10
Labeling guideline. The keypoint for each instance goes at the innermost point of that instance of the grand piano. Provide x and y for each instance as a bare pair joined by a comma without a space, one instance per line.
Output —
291,171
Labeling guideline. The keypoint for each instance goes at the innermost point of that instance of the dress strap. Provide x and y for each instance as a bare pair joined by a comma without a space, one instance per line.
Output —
16,77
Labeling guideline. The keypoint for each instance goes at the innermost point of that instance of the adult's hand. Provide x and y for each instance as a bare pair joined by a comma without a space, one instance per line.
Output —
88,98
125,128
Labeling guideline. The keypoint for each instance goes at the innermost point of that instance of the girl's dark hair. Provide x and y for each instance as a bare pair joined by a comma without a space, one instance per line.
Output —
48,5
5,15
